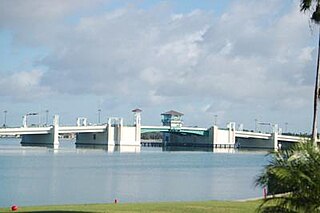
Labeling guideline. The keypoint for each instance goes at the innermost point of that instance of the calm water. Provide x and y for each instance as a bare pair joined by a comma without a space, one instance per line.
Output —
37,176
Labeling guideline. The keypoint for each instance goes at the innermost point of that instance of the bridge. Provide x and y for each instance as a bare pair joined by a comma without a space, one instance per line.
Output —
115,133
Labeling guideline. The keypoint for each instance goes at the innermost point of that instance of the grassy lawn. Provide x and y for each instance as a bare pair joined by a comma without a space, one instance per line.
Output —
208,206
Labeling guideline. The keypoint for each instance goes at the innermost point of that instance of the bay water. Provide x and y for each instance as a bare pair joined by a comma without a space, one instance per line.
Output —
68,175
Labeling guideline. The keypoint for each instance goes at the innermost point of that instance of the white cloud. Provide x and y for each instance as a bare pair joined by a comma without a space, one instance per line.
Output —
23,86
227,48
306,54
257,53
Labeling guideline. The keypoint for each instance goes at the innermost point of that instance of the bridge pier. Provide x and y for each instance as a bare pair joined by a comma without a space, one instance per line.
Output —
222,137
115,134
51,139
275,140
255,143
92,138
55,131
212,137
272,142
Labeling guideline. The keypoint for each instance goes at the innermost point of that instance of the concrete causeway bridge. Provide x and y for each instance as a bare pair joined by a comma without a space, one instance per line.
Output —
114,133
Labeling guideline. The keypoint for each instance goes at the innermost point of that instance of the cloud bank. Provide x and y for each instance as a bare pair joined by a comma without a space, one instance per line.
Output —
254,60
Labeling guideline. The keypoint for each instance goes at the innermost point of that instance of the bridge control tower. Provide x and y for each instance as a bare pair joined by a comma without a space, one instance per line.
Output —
172,118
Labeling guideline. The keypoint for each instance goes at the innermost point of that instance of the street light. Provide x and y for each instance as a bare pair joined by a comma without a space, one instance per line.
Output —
5,118
99,114
265,124
47,114
255,125
215,119
286,127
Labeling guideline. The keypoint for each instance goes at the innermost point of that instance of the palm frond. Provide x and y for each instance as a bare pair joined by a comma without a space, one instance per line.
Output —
305,5
295,174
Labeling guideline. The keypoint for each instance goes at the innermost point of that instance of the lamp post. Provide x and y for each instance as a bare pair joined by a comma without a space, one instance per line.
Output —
5,118
215,119
286,127
266,124
255,125
47,114
99,114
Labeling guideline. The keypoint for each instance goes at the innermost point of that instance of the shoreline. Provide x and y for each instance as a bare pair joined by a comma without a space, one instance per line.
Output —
196,206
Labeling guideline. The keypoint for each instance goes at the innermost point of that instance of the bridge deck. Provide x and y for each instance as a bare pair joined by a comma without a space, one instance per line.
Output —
258,135
25,130
190,130
82,129
144,129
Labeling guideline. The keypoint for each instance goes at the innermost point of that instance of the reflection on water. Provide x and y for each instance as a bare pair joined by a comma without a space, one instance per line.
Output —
50,146
42,175
198,149
111,148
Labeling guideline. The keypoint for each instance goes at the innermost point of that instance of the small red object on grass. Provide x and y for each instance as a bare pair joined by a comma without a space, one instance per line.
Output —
14,208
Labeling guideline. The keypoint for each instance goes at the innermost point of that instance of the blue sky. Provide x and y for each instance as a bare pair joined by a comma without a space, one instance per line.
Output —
17,57
240,60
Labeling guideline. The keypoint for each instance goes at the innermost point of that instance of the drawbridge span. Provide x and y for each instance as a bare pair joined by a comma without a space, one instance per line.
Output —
188,130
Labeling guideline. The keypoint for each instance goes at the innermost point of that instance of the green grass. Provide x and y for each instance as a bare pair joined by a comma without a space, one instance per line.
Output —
185,207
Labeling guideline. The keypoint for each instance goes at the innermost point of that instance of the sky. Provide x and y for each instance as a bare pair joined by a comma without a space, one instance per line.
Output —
238,60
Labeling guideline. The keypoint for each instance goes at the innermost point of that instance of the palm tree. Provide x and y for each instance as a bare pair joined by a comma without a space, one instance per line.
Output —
295,173
314,6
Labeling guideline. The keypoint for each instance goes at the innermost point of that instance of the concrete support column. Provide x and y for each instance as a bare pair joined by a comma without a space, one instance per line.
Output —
138,135
24,121
215,135
55,131
232,133
137,128
110,133
274,138
119,132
